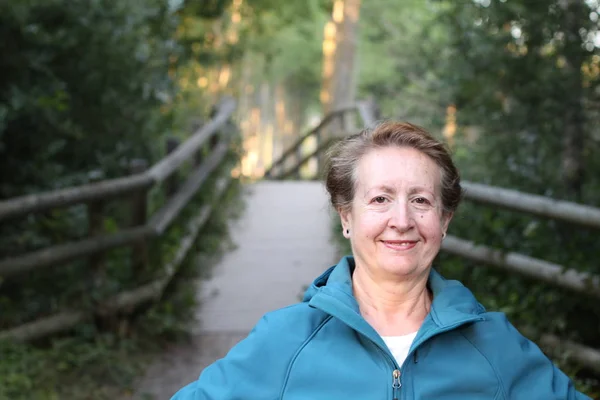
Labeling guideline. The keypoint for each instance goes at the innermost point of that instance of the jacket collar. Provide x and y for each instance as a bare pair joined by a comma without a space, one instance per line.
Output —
453,304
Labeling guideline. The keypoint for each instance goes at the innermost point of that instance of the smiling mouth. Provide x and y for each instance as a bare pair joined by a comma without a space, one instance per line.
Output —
400,244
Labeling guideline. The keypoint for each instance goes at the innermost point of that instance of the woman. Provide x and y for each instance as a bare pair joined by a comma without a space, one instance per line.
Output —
383,324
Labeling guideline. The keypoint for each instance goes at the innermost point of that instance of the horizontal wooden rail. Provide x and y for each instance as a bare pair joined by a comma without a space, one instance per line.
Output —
19,206
580,282
294,147
583,355
557,275
533,204
125,301
45,326
66,252
165,216
164,168
156,226
108,189
322,147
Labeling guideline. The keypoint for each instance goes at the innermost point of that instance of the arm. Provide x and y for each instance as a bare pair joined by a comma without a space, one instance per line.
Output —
254,368
523,369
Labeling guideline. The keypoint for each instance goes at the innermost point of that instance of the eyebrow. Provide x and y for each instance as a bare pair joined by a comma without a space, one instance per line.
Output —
417,189
384,188
390,190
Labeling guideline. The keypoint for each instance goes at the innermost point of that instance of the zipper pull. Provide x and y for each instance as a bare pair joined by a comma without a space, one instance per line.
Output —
396,382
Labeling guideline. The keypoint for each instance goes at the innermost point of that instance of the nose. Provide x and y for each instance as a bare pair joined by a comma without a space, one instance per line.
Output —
401,216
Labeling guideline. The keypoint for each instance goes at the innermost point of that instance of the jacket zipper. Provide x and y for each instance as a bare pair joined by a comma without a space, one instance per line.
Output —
396,384
397,373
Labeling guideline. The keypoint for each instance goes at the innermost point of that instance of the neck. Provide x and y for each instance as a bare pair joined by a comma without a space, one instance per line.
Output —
392,305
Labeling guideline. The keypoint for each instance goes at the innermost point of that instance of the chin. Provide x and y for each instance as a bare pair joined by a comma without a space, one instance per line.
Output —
399,268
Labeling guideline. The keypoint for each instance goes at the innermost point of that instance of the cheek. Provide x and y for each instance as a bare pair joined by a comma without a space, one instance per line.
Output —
371,224
430,225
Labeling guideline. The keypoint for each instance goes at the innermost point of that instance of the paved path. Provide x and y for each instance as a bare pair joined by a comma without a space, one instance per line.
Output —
283,243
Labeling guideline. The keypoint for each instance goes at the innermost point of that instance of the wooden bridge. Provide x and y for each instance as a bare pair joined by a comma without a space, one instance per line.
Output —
283,241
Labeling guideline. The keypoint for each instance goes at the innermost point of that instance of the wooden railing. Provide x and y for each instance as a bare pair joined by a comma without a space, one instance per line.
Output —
290,162
564,277
561,276
581,283
212,139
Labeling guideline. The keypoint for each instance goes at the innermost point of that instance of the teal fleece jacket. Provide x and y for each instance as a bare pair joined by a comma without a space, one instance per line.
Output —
323,349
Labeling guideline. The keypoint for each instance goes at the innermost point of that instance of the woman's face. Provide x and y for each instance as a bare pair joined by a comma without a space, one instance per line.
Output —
396,221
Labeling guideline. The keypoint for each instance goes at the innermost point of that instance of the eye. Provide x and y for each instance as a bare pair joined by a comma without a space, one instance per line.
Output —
422,200
379,200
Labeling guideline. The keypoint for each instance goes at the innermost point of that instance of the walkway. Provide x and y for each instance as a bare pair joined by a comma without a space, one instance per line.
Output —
283,243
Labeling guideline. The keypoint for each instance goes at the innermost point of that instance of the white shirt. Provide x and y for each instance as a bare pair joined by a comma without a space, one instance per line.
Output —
399,345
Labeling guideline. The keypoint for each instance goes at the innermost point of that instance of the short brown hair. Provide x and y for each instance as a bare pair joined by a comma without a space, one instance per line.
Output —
343,158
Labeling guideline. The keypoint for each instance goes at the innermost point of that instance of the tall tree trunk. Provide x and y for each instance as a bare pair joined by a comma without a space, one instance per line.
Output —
574,118
339,73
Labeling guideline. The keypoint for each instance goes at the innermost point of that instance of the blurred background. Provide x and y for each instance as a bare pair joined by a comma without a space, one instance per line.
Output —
89,87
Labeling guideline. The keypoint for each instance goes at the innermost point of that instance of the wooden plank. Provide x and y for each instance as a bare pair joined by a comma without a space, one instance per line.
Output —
97,264
165,216
583,355
124,301
564,348
22,205
533,204
44,326
19,206
153,290
160,221
172,182
293,148
138,204
367,113
163,169
554,274
296,168
63,253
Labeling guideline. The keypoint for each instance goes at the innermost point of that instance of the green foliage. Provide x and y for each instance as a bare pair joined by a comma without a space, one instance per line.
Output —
518,83
524,78
85,88
206,8
81,84
283,45
106,363
403,52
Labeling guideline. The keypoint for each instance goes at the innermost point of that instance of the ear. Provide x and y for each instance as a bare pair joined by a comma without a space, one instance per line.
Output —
446,218
345,218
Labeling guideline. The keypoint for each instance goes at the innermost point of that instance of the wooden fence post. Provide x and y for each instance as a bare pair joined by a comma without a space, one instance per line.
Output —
173,181
344,123
139,214
95,212
198,157
297,163
320,156
214,140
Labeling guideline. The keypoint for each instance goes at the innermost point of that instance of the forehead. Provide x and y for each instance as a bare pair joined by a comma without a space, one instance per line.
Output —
397,167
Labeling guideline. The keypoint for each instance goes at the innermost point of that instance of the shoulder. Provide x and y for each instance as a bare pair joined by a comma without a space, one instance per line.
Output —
279,334
521,367
288,325
494,326
501,343
262,358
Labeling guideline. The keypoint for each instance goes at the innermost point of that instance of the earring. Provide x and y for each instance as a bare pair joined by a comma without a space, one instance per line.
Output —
444,235
347,231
